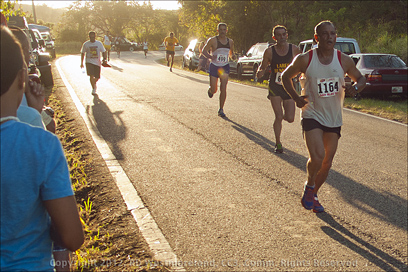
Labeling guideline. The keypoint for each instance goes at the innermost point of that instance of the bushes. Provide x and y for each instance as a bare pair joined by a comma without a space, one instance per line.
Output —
68,47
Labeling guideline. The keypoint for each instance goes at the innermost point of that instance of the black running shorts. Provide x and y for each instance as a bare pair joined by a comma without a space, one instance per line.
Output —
93,70
309,124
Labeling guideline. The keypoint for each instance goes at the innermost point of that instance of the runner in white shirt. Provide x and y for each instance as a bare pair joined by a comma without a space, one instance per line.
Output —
145,48
107,43
92,49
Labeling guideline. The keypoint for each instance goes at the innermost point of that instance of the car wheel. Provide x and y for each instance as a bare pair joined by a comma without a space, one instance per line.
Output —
239,72
254,77
190,66
46,75
131,49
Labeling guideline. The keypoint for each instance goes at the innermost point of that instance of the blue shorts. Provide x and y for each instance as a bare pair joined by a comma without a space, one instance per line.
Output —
216,71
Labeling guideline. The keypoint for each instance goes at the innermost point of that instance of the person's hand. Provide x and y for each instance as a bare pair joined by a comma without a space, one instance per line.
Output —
350,90
35,93
301,101
82,65
260,73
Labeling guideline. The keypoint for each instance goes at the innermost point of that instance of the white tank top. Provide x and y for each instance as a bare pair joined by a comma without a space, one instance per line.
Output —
323,84
221,53
106,40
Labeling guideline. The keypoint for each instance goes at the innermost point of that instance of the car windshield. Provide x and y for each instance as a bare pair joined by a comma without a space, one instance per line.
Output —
46,37
345,47
387,61
125,40
262,48
257,49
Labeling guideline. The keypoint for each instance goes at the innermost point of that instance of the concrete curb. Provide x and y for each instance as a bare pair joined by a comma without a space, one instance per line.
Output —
158,244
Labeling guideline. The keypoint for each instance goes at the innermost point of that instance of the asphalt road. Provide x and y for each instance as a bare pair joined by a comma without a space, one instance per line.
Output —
222,198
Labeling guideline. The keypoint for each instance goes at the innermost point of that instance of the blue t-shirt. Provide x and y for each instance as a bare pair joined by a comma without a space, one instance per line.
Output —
33,169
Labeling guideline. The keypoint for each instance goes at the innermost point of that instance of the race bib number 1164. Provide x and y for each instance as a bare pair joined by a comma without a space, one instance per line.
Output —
328,87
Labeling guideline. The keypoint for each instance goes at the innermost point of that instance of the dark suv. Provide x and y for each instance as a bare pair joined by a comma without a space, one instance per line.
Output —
126,45
249,63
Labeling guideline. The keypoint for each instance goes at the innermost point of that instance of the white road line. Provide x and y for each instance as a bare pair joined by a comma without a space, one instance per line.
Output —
158,244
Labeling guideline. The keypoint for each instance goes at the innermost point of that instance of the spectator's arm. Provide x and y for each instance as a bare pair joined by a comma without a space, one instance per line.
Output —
82,59
65,217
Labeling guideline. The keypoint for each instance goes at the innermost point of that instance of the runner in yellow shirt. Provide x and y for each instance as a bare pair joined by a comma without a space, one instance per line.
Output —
170,42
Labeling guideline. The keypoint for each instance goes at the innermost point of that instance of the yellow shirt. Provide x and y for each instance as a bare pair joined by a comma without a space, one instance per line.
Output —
170,43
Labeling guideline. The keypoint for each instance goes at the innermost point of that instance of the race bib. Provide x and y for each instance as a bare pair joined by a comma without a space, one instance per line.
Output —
222,58
328,87
94,51
278,79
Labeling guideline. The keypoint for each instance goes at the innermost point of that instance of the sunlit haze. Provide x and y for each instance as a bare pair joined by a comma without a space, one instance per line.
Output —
170,5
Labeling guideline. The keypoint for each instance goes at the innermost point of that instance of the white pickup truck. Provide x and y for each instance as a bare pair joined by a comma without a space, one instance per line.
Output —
346,45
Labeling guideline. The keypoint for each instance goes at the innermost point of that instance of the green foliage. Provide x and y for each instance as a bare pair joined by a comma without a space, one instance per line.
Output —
9,8
250,22
377,26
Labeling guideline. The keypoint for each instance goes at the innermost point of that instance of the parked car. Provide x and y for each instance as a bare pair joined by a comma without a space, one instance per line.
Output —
191,55
346,45
386,74
49,43
41,41
248,64
126,45
39,59
179,47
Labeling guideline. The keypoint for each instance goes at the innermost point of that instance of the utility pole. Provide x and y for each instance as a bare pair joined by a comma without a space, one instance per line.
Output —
35,16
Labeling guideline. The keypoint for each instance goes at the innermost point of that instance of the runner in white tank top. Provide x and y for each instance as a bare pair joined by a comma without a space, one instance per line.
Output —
221,48
324,88
321,105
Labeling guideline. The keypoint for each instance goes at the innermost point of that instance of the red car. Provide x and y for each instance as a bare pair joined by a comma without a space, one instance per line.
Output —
386,74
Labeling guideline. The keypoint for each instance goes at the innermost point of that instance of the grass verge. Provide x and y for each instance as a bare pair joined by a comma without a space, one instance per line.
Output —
112,239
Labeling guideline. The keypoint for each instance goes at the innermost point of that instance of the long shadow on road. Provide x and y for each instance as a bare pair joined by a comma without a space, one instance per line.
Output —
374,203
339,233
109,124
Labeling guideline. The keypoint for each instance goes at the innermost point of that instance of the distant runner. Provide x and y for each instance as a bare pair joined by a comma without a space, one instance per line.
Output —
145,48
107,44
170,43
221,48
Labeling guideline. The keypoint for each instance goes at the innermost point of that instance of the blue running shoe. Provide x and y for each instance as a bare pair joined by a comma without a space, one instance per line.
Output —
307,199
317,207
221,113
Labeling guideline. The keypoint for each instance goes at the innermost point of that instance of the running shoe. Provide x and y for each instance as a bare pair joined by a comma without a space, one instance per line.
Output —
221,113
308,199
278,148
105,64
317,207
210,94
